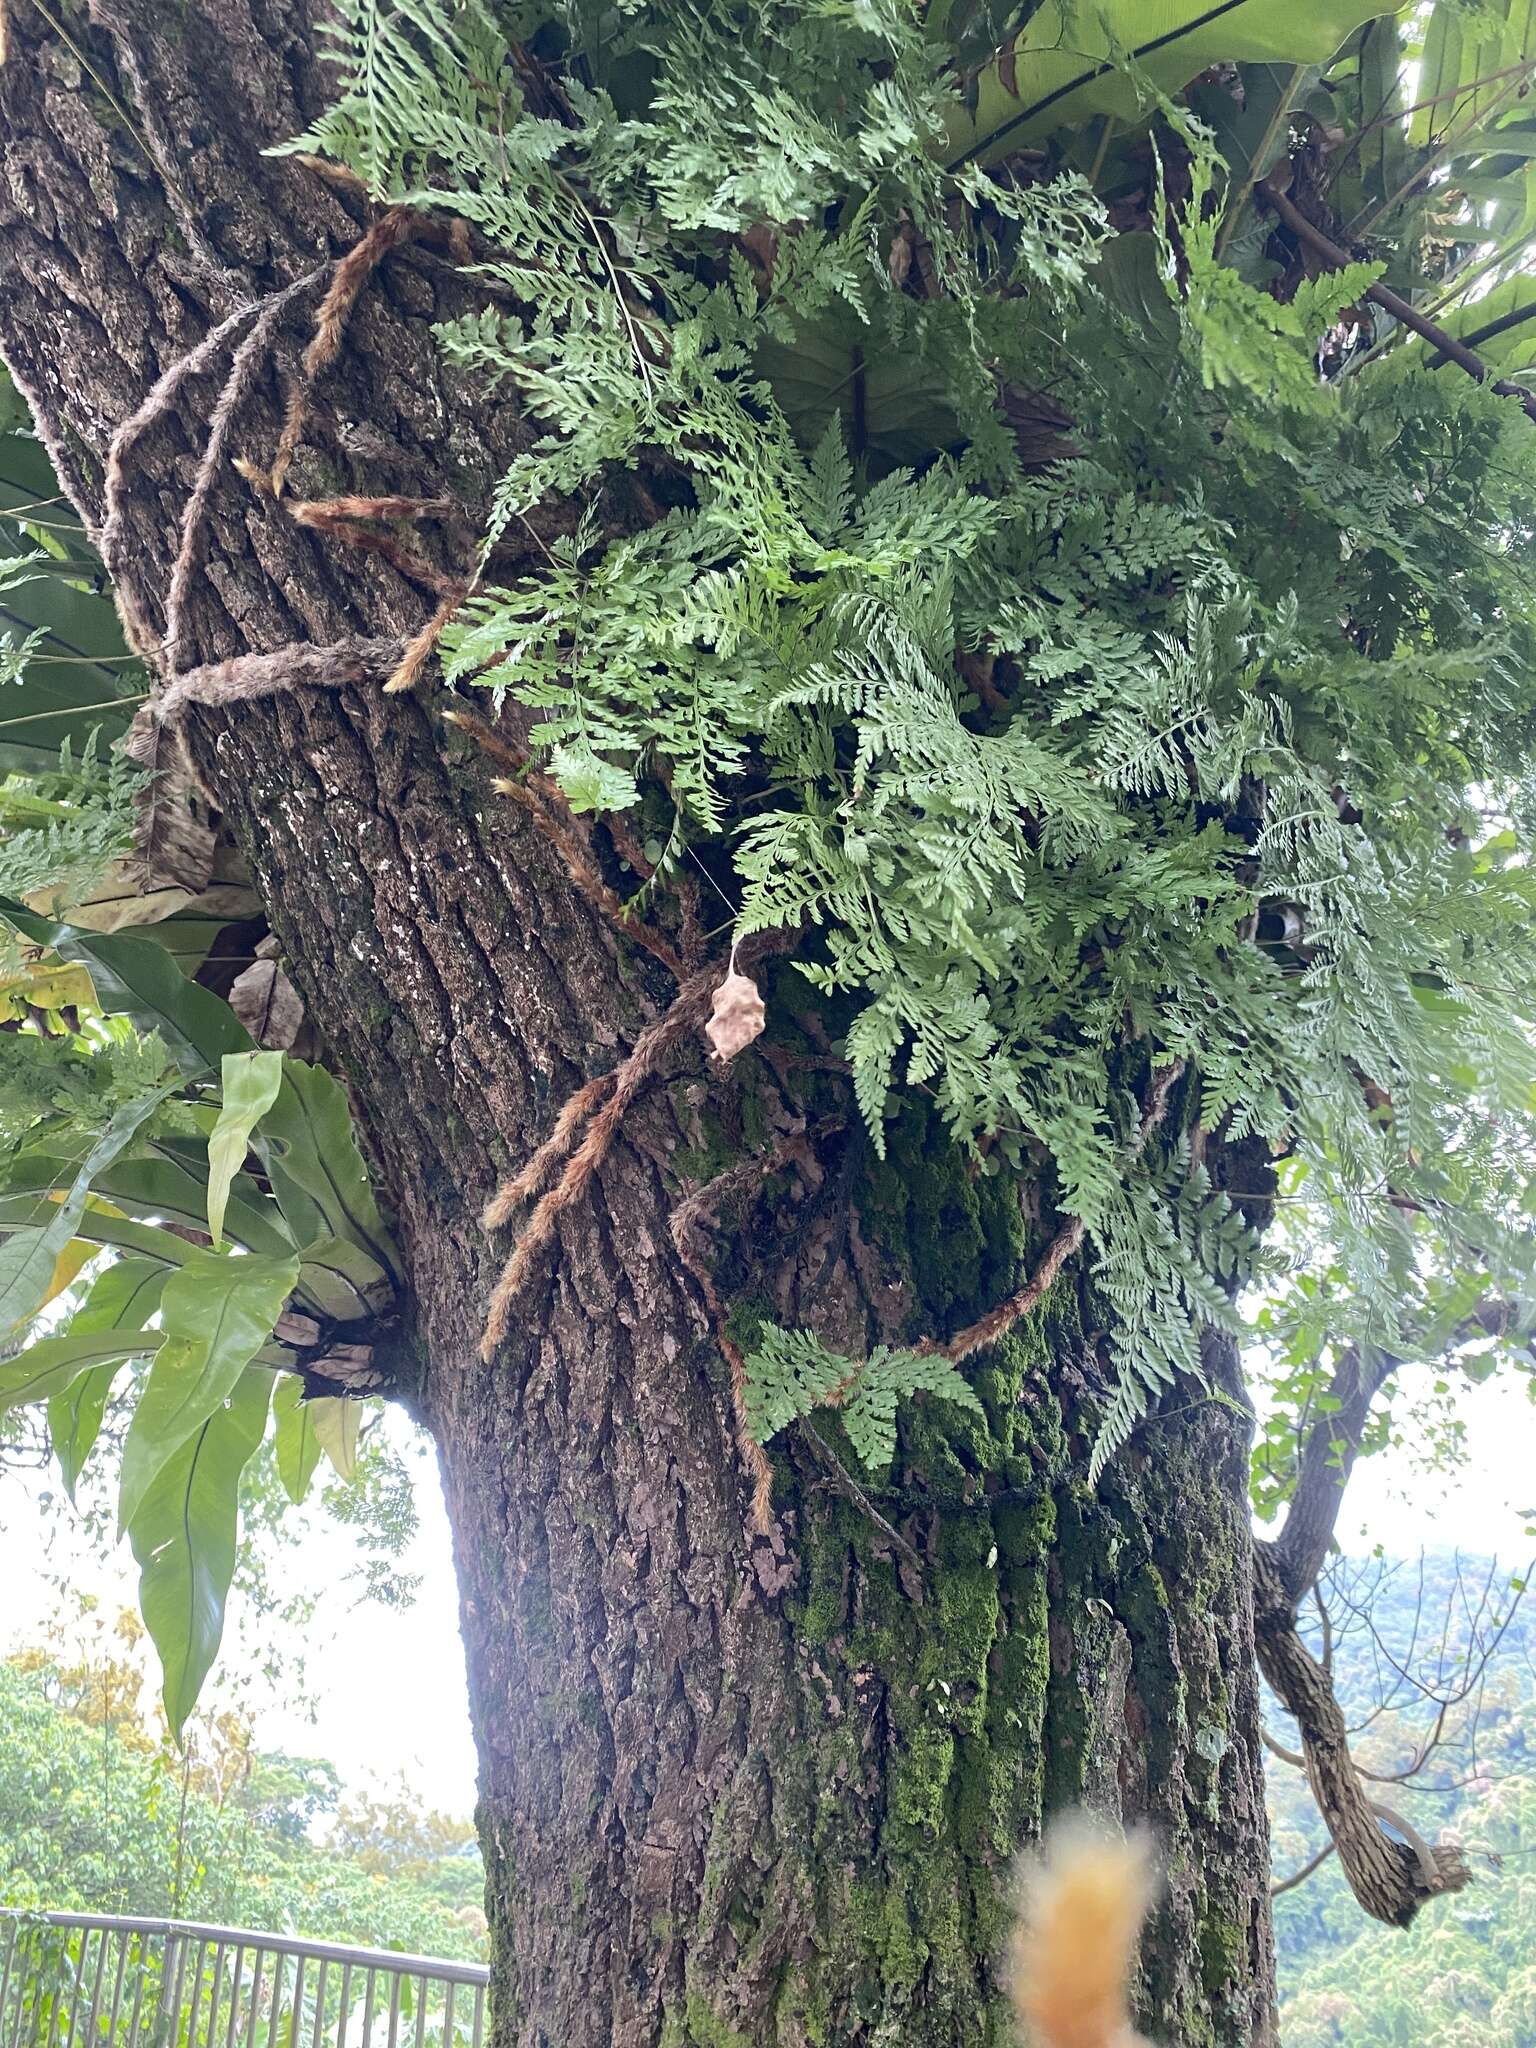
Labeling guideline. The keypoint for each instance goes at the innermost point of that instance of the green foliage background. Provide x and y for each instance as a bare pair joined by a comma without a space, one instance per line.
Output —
1259,645
1204,742
91,1819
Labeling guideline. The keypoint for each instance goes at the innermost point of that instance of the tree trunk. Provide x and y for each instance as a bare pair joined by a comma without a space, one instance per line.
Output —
735,1786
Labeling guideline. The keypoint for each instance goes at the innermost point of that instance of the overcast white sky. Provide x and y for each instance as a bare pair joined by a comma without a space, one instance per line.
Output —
389,1685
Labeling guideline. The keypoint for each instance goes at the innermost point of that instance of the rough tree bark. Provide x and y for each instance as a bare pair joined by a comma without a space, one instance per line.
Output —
734,1788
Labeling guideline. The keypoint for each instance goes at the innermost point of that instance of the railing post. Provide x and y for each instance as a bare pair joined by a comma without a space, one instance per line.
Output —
138,1990
117,1989
257,1958
9,1969
94,2010
170,1990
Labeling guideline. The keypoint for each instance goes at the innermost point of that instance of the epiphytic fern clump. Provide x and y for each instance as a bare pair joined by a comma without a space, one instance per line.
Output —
1061,754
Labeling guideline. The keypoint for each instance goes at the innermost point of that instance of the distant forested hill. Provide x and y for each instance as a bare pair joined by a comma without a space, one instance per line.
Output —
92,1817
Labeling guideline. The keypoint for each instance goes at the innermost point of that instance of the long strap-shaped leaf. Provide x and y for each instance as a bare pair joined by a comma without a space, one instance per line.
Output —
184,1539
53,1363
294,1440
307,1143
336,1423
1063,65
121,1301
250,1084
164,1187
136,978
99,1225
217,1313
26,1259
82,677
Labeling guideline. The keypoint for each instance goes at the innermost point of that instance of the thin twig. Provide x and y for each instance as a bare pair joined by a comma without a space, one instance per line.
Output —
1516,318
998,1321
1293,1757
1289,1884
845,1483
1238,198
1447,146
1337,164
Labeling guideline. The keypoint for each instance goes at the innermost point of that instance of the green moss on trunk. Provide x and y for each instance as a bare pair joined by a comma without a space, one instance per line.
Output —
963,1704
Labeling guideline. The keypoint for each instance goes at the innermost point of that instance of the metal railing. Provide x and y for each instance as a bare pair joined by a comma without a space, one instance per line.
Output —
96,1980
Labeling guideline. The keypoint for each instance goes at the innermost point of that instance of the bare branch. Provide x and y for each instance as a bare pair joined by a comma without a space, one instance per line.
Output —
1327,1459
1299,1877
1332,1444
1293,1757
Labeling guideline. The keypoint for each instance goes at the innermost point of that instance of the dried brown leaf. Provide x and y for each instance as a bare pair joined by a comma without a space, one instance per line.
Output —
736,1017
268,1005
1008,66
173,845
899,262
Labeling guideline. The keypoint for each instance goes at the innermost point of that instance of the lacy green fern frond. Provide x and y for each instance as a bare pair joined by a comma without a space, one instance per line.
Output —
791,1374
59,833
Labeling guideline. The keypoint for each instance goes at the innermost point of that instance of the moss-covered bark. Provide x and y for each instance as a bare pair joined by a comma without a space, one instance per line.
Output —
818,1767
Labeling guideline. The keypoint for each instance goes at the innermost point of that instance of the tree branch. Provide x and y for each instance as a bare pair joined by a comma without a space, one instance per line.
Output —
1391,1879
1382,295
1516,318
1327,1460
1299,1877
1332,1444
